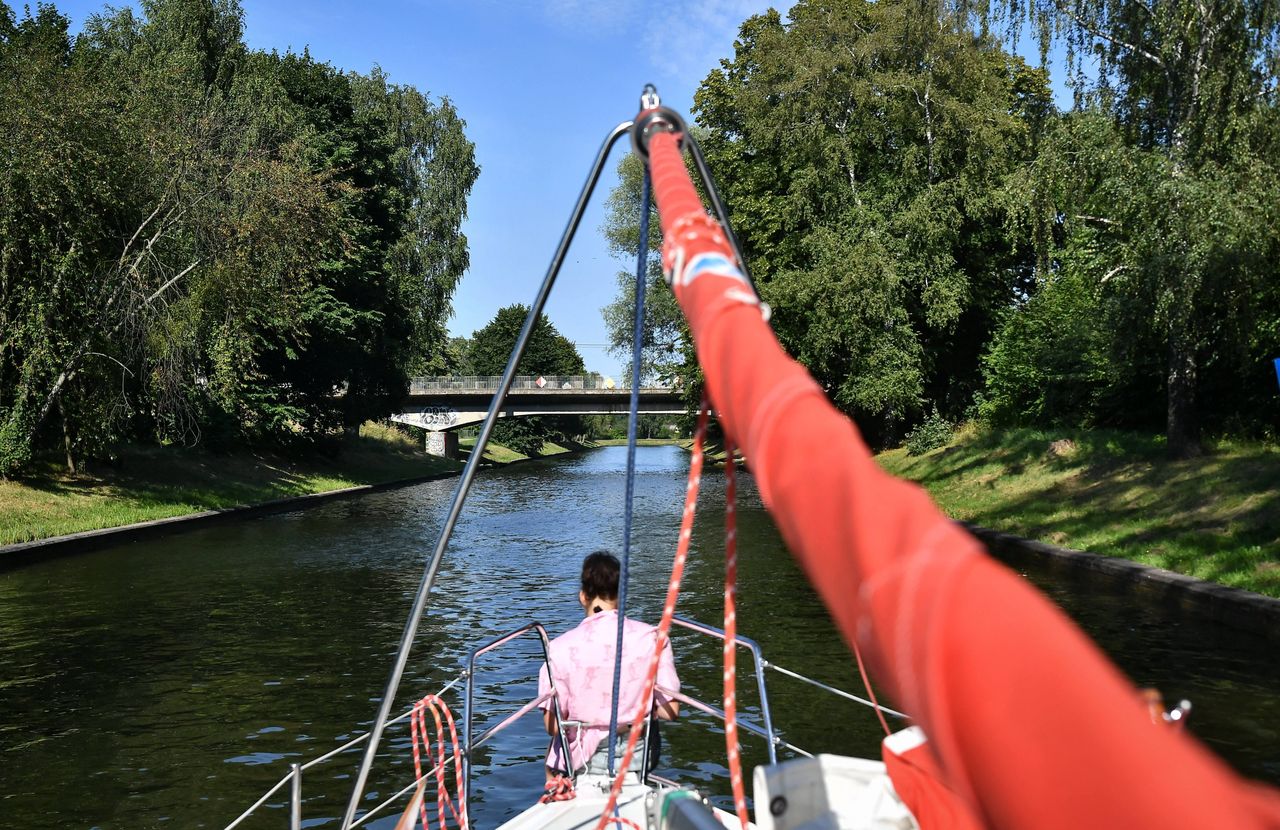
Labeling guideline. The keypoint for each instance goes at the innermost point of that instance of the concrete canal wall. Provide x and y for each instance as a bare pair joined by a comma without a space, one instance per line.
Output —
1232,607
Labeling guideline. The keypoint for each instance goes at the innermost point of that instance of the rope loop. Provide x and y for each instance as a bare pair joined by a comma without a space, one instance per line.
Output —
418,729
625,822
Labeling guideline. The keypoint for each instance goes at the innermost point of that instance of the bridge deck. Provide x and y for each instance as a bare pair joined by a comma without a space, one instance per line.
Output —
442,404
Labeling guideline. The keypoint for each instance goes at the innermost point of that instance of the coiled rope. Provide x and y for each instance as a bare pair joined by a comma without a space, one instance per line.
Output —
418,730
559,788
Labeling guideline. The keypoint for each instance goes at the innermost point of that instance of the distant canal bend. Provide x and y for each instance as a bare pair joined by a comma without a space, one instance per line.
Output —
169,683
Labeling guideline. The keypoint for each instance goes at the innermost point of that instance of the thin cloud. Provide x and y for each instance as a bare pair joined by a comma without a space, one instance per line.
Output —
591,14
694,36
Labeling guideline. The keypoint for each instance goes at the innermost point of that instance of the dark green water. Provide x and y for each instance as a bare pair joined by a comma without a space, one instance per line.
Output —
170,683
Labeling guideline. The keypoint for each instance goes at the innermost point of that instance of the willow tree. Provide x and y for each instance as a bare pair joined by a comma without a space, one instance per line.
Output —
1191,89
198,240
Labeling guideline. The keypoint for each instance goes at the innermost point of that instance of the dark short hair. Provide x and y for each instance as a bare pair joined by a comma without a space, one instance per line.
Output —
600,575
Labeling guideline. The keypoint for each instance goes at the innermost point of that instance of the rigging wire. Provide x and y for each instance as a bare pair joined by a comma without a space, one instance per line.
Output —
668,612
637,348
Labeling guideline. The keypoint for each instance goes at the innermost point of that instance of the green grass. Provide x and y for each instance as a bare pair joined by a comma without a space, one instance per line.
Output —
158,482
1112,493
640,442
498,454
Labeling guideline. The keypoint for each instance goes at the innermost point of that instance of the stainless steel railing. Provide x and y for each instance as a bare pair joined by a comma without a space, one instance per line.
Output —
772,739
764,730
470,674
483,383
294,778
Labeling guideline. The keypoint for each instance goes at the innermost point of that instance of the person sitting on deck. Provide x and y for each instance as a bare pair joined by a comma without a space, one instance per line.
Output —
582,664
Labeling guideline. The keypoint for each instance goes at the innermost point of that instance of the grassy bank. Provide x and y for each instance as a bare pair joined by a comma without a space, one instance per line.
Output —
641,442
1216,517
498,454
159,482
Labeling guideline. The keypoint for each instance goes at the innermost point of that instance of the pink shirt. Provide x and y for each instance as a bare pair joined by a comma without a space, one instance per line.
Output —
582,664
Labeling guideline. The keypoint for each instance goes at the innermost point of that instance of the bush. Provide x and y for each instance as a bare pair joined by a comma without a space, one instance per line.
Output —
931,433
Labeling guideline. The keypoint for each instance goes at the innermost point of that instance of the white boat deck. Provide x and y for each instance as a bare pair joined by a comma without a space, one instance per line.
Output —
583,811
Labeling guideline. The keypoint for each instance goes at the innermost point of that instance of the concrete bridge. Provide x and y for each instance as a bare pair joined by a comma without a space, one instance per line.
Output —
441,405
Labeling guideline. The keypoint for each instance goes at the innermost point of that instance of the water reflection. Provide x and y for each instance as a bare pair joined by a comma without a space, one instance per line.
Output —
172,681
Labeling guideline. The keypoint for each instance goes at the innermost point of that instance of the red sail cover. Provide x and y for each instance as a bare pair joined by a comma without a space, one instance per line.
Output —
921,785
1028,720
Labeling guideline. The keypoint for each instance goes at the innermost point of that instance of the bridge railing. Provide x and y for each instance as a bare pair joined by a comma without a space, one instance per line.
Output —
483,383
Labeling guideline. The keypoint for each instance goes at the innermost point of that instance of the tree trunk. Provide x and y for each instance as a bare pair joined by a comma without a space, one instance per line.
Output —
1182,430
66,439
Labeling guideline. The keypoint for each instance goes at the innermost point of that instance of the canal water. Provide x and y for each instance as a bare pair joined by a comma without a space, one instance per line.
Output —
170,683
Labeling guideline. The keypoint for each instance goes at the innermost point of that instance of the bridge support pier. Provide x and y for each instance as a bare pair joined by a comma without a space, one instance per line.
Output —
443,444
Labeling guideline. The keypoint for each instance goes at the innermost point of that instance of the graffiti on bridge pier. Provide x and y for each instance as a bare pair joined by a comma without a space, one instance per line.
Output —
438,416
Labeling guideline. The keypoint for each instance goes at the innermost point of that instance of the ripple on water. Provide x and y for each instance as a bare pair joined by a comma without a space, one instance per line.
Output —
170,656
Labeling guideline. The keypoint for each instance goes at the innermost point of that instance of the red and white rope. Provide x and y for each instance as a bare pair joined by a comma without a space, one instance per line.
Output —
731,633
418,730
625,822
559,788
668,612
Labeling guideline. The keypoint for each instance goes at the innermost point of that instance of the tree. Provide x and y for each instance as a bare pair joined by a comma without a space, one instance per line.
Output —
64,175
399,170
234,220
548,353
1190,87
457,357
201,242
666,354
861,148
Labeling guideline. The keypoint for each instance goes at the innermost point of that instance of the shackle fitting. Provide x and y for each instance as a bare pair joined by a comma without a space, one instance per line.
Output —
653,118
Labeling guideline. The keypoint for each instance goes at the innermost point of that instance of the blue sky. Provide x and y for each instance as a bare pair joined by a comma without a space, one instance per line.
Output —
540,83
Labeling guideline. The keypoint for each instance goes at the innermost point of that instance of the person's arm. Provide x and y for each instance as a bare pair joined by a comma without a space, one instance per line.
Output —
665,707
549,719
548,706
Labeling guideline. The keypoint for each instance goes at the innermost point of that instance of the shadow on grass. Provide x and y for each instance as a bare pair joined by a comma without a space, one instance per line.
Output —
1017,450
162,476
1215,517
150,476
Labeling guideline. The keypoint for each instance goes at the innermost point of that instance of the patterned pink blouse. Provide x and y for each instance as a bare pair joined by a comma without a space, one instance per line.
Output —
582,664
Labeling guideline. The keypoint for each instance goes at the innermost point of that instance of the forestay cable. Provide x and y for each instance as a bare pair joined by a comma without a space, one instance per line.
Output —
668,613
636,351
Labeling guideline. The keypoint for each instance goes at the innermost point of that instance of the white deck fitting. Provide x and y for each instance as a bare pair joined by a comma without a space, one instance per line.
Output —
828,792
583,812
